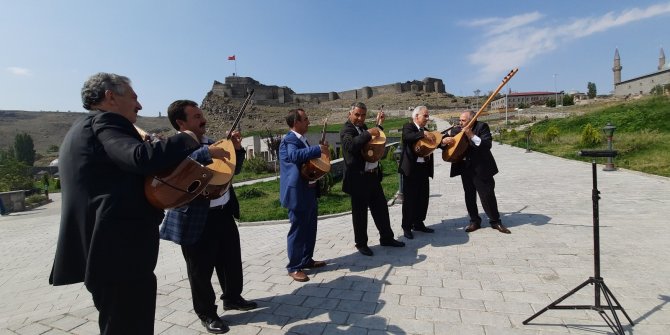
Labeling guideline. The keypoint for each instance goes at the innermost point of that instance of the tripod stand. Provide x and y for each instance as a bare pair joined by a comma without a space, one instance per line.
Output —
600,288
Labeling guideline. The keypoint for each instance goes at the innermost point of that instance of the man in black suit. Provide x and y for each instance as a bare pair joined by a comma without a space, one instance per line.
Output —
416,171
362,181
477,170
109,231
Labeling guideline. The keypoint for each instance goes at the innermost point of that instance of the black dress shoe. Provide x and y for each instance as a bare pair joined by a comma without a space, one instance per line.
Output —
239,304
315,264
472,227
215,325
499,227
365,250
408,234
424,229
392,243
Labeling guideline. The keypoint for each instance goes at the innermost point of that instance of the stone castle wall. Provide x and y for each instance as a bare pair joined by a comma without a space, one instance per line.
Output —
237,87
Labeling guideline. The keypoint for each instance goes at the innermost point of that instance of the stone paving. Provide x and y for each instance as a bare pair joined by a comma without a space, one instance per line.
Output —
449,282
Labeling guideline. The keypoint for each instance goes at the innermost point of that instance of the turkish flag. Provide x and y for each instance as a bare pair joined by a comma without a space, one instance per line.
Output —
231,57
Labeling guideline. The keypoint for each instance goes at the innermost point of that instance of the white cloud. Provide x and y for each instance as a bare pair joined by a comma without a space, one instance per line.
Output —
514,41
506,24
19,71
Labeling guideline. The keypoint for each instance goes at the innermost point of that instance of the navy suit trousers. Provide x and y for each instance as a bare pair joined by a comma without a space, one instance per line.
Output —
301,238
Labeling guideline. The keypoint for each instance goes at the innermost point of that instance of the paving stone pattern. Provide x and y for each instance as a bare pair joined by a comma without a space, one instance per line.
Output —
449,282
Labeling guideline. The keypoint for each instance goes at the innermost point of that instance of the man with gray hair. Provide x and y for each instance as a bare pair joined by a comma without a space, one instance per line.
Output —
415,171
109,231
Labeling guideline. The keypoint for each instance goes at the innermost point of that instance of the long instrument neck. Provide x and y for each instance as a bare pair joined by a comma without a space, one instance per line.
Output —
239,114
488,101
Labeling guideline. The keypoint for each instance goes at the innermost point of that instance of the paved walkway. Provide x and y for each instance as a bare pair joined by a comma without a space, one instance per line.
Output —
449,282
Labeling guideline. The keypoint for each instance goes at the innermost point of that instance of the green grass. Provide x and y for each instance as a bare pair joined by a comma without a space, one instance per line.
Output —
260,201
642,135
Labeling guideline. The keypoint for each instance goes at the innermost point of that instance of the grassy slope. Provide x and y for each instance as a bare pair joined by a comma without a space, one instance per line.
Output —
642,135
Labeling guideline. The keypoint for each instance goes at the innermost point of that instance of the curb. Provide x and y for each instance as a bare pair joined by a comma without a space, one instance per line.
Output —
286,221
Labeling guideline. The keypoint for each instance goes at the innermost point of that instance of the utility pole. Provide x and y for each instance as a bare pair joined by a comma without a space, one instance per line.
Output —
506,123
555,90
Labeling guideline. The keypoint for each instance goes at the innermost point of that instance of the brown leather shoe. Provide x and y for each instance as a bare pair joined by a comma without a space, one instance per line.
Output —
472,227
315,264
299,276
499,227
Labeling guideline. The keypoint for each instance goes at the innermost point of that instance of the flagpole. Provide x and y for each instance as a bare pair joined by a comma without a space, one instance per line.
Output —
236,66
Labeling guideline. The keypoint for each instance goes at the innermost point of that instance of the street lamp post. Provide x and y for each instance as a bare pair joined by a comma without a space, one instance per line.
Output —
477,91
399,195
506,122
555,90
608,130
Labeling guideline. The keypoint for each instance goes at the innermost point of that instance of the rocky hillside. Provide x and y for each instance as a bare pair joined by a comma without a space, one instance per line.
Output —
48,128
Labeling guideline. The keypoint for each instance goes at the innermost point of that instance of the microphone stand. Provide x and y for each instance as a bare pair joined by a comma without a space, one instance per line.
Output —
600,288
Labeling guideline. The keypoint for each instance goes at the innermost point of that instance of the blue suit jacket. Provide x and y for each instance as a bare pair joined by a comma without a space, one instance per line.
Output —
294,191
184,225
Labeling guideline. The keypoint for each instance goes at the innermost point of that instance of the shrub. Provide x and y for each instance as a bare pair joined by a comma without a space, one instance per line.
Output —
251,193
390,152
551,134
35,199
326,183
256,164
590,136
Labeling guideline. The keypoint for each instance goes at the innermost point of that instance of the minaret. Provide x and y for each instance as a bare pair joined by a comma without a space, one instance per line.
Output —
661,60
617,67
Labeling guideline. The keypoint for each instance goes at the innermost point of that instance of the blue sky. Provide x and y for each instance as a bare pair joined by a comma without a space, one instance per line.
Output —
176,49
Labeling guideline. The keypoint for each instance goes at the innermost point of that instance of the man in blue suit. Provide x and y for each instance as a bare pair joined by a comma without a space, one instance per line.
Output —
299,195
206,229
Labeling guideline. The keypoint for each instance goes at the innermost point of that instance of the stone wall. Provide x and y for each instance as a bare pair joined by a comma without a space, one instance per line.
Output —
14,201
237,87
642,85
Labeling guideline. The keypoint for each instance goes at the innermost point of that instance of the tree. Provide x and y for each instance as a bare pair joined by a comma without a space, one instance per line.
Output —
273,141
568,100
591,90
551,103
24,149
14,175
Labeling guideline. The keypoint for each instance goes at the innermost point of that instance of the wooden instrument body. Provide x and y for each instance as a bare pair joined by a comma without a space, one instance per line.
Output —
456,152
223,169
374,149
316,168
424,147
177,187
212,192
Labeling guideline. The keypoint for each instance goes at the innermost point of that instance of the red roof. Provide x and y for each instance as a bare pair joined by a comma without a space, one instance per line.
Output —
531,93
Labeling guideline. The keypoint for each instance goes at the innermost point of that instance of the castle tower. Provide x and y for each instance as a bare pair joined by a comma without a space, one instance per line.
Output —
617,67
661,60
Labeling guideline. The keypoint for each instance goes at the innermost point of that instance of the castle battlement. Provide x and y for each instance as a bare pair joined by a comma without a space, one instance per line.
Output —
237,87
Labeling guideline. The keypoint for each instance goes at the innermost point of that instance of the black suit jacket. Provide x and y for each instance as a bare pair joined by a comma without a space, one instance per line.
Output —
410,135
478,159
354,164
108,230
